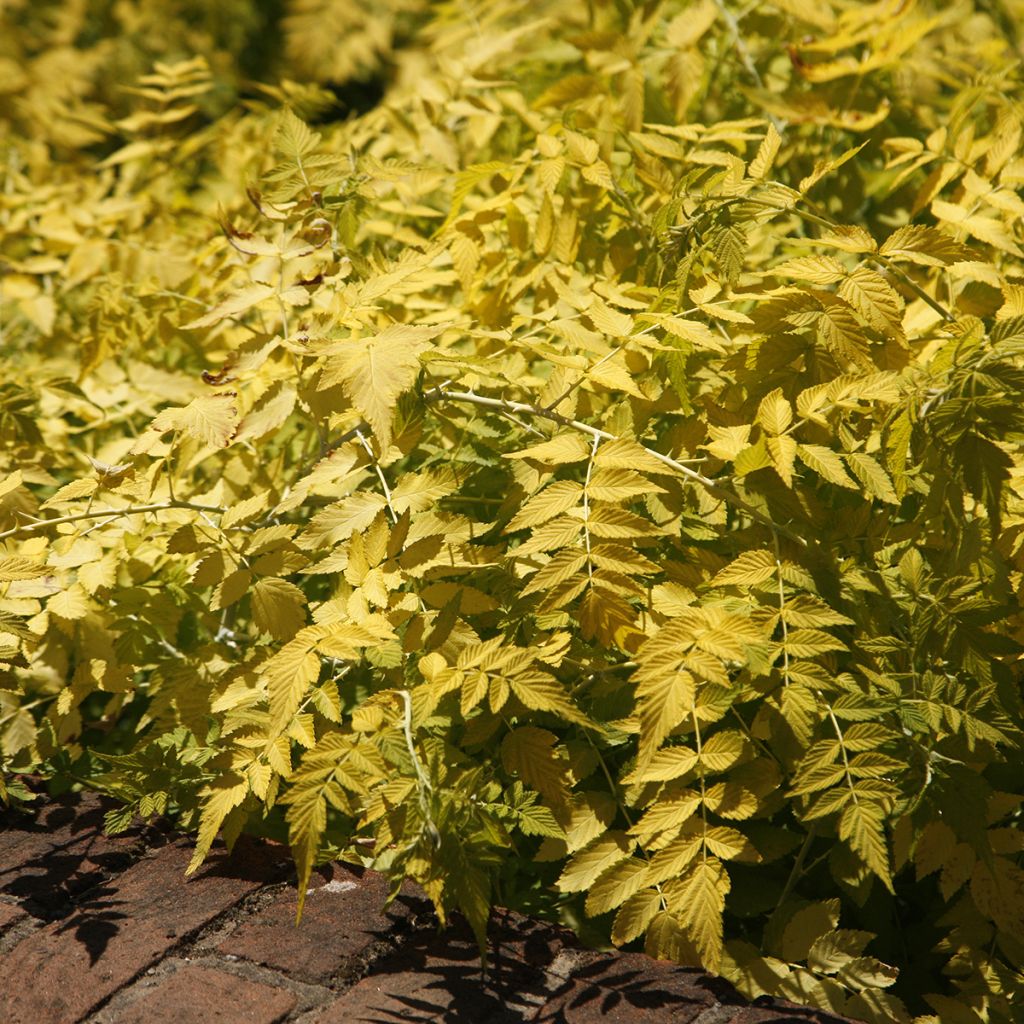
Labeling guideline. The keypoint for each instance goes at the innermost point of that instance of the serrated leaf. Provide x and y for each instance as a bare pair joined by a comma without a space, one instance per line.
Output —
19,568
635,914
374,371
268,414
541,692
874,478
818,269
218,801
559,450
209,418
70,604
751,568
806,926
615,885
861,825
241,302
926,246
278,607
555,499
530,753
775,413
826,463
875,299
290,672
585,867
702,899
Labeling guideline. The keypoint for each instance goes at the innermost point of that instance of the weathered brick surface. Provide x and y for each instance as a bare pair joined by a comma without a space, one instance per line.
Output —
60,852
120,928
434,989
630,988
199,995
10,915
343,916
437,977
105,916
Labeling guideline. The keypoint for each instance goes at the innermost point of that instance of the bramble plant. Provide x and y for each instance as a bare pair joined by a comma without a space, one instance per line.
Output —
587,480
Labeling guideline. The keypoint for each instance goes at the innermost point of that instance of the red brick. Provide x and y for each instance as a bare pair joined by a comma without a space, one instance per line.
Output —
121,929
199,995
59,852
629,988
343,916
435,989
10,915
437,976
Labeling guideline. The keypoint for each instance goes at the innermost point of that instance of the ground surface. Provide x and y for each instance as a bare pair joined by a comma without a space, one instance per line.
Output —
106,930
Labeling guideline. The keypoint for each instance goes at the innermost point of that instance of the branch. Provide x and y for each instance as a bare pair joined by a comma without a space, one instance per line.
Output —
438,394
732,24
113,513
874,257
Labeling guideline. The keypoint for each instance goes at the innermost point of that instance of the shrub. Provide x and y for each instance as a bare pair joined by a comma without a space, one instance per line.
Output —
589,480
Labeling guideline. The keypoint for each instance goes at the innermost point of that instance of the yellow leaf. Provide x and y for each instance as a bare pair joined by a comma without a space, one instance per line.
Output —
240,302
819,269
874,478
584,868
619,484
721,750
209,418
530,753
700,905
635,914
373,372
861,825
272,409
19,568
555,499
766,153
231,589
774,413
662,821
278,607
663,699
751,568
541,692
290,673
69,604
826,463
564,448
694,332
875,299
615,885
219,799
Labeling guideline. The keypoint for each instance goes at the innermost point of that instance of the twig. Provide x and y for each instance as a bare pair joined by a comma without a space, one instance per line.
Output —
380,474
438,394
422,779
113,513
748,62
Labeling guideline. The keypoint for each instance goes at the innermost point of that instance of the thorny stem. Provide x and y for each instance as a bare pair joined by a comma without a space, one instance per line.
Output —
438,394
422,779
614,789
875,257
798,864
380,474
782,610
113,513
586,506
732,23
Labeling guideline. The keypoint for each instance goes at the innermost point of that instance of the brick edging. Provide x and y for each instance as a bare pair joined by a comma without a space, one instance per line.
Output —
106,930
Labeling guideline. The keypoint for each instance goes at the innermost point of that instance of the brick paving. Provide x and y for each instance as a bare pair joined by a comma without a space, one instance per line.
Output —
106,930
